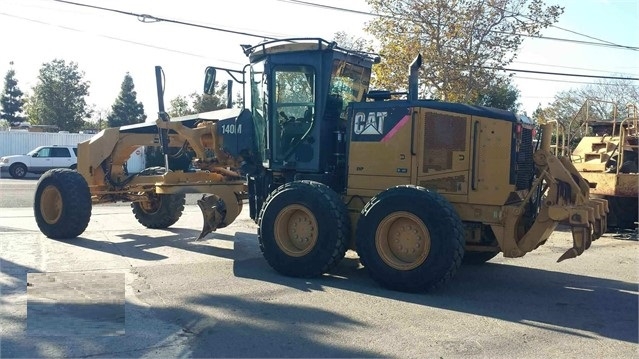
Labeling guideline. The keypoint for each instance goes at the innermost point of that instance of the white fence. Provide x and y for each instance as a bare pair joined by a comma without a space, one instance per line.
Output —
21,142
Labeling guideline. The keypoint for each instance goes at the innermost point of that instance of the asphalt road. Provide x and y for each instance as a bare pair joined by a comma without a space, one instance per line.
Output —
121,290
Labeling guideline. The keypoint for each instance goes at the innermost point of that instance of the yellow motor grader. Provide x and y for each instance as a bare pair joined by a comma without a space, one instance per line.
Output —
414,186
606,154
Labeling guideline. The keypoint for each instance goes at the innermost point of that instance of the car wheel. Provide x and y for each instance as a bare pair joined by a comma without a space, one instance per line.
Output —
18,170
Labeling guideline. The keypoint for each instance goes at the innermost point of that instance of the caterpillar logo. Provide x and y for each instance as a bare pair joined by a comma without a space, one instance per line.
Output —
369,124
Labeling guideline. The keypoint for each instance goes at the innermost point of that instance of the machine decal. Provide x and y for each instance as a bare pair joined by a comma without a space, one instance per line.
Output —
369,124
378,124
395,129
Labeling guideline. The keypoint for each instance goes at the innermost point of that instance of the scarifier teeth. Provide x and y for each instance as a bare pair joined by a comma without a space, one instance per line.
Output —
571,253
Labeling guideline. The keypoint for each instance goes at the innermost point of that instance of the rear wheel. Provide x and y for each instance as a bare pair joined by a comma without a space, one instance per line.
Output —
410,239
159,210
304,229
62,206
18,170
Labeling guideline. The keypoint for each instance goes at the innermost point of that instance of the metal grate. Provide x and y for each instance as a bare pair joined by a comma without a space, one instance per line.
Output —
442,135
525,169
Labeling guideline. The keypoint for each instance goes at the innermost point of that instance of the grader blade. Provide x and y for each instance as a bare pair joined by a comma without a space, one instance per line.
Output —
213,213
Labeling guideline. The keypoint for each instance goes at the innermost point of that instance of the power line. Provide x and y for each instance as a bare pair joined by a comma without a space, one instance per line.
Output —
604,43
150,18
562,28
568,82
146,18
118,39
564,74
566,67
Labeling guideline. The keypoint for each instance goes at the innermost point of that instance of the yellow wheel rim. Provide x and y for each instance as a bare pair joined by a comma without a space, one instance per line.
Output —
51,204
402,240
296,230
151,205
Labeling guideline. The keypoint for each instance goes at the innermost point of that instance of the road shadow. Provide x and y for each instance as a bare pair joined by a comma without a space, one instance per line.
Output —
562,302
140,246
237,327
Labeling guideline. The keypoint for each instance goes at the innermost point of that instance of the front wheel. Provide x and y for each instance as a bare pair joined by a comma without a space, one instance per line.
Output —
62,206
410,239
159,211
303,229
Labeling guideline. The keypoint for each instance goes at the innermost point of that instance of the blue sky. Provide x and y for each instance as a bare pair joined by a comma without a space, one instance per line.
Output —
107,45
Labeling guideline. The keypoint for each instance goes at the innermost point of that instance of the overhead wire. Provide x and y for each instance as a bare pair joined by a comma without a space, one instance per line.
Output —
117,38
151,18
600,43
146,18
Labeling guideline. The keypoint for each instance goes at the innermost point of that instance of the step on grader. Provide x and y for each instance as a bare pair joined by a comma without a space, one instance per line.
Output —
414,186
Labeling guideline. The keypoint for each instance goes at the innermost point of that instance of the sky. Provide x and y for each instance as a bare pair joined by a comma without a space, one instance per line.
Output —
107,45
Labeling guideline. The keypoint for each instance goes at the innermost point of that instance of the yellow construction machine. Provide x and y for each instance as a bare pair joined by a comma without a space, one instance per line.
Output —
603,145
414,186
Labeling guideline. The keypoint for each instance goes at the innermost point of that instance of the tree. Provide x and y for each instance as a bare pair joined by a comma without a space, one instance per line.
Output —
126,110
11,100
198,103
351,42
179,106
465,43
58,98
604,100
502,94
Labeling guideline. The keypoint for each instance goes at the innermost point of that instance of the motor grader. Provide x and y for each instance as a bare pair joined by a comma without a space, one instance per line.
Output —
325,164
607,156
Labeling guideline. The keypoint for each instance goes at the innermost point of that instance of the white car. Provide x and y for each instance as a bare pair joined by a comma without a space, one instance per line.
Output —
40,160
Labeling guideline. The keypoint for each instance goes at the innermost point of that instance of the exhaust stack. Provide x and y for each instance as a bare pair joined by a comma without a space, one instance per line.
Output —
413,79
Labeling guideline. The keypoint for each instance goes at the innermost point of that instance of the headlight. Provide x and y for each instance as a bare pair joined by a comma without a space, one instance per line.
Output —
4,160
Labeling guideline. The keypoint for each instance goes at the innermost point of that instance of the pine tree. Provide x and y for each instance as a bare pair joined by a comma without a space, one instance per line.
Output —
59,97
126,110
11,100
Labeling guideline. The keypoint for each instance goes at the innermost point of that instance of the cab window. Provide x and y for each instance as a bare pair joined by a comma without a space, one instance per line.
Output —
294,108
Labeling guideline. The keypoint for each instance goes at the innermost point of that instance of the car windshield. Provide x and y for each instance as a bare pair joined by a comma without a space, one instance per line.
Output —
34,151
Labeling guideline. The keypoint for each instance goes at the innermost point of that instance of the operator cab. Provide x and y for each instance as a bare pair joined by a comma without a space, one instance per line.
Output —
299,91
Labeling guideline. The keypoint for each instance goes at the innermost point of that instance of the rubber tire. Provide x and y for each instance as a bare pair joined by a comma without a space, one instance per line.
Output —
334,229
76,203
446,235
623,213
169,211
18,170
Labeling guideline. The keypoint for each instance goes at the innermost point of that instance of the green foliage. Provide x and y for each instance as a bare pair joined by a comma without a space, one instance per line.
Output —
179,106
58,98
126,110
4,125
465,44
198,103
354,43
502,94
11,100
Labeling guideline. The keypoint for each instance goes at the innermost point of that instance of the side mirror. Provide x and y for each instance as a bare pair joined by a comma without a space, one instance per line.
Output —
209,80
